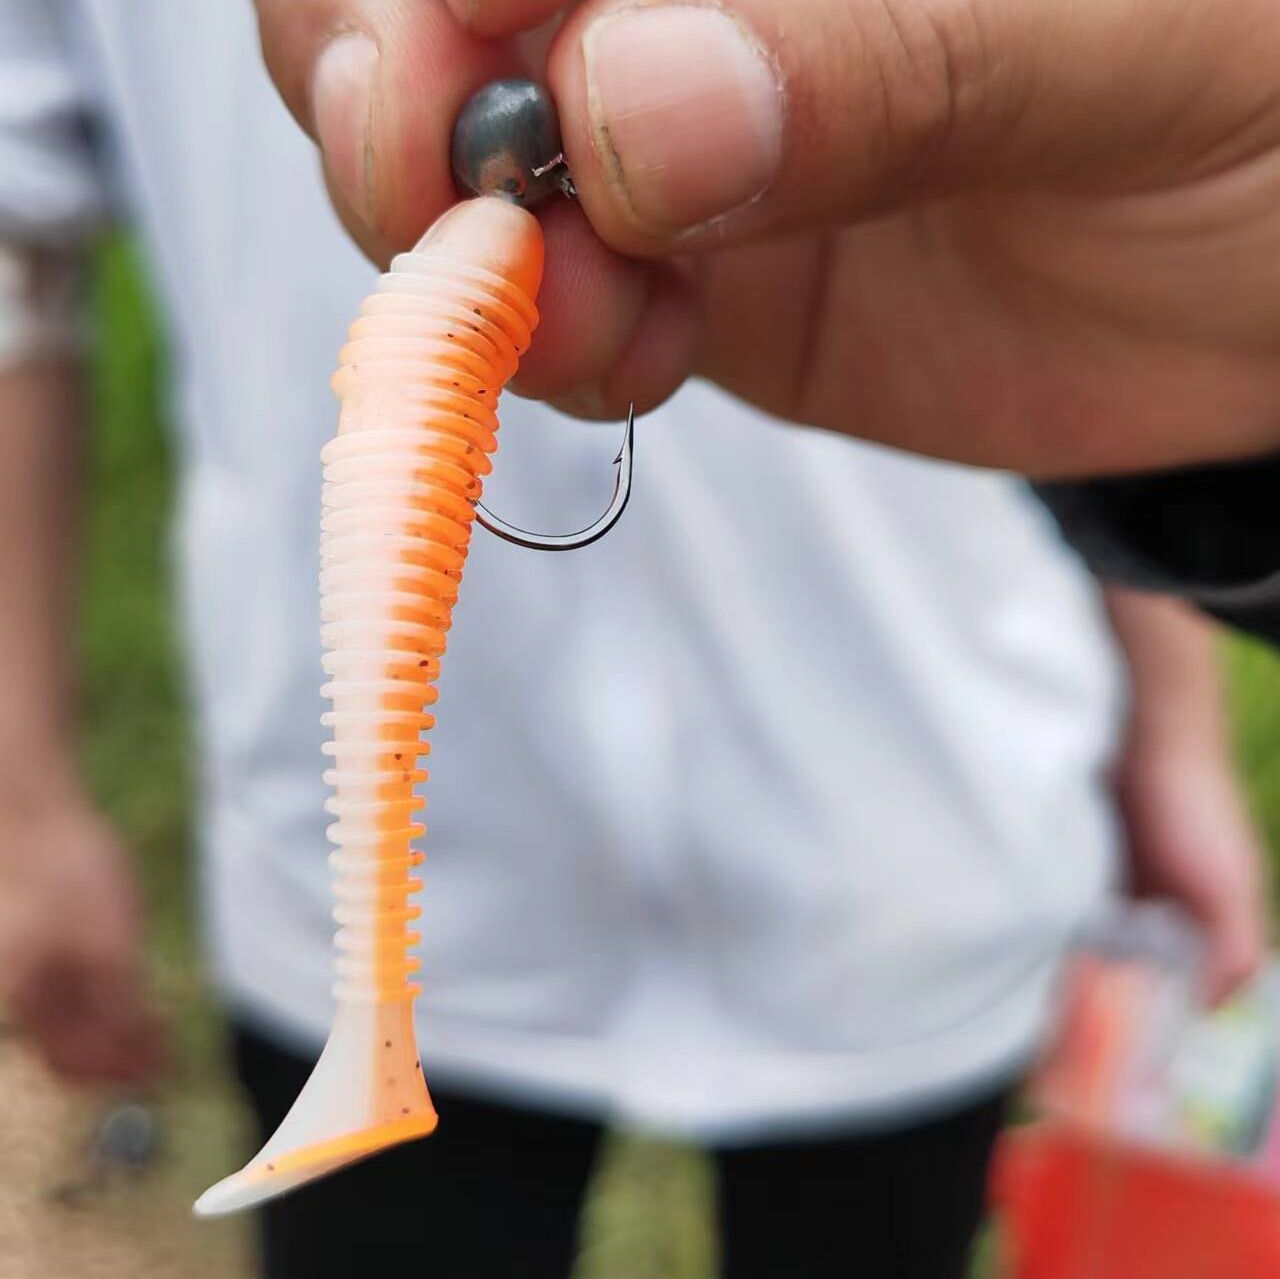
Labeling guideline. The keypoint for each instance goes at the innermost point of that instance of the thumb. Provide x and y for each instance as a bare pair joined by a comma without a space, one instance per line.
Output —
690,120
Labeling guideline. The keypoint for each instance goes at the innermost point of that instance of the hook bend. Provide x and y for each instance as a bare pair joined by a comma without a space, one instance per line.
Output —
584,537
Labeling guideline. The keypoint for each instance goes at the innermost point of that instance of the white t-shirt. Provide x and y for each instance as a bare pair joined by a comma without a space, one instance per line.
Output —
775,806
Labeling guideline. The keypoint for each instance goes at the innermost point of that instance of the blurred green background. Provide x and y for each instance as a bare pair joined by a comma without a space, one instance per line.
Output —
648,1215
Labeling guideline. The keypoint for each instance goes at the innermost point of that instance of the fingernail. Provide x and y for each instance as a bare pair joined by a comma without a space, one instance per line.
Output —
465,10
686,112
583,401
341,100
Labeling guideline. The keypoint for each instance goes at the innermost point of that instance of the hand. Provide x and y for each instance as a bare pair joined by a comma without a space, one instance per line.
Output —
1191,841
1015,232
70,962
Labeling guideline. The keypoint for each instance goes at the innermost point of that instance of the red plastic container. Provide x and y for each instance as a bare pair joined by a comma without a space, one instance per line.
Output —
1072,1204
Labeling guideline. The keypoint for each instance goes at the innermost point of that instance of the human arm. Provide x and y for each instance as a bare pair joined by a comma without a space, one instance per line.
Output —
1188,830
69,928
70,957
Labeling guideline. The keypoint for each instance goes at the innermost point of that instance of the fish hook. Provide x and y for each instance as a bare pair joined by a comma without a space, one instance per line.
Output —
584,537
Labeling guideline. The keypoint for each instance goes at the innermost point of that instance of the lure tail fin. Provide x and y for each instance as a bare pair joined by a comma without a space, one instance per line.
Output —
366,1093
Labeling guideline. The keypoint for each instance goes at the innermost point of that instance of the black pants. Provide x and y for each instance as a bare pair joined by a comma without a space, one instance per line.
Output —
495,1194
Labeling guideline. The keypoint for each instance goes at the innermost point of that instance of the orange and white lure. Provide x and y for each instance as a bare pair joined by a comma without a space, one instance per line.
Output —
418,382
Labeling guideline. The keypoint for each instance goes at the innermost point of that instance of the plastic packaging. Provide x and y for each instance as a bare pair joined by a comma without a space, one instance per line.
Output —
1156,1154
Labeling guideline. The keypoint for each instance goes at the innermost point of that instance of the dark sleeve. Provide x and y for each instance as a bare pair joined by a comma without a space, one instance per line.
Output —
1210,534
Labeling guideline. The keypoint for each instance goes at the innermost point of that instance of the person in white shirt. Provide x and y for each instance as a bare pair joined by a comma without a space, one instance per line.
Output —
764,822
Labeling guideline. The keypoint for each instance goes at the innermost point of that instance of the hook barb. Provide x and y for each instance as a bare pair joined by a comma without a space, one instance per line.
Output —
584,537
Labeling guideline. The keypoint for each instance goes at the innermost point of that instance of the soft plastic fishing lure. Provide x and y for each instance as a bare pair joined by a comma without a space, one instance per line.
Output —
418,384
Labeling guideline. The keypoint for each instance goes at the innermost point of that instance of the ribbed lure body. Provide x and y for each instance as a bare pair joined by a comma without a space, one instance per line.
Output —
418,384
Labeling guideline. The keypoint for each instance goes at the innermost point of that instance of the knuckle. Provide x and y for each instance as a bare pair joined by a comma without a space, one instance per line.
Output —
933,71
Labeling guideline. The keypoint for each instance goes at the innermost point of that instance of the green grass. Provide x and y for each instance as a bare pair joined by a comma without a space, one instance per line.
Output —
136,744
649,1216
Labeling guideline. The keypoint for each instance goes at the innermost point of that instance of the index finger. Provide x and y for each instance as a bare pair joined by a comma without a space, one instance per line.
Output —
378,84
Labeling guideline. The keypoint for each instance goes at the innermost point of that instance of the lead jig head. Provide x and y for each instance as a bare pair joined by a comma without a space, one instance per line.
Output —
506,142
